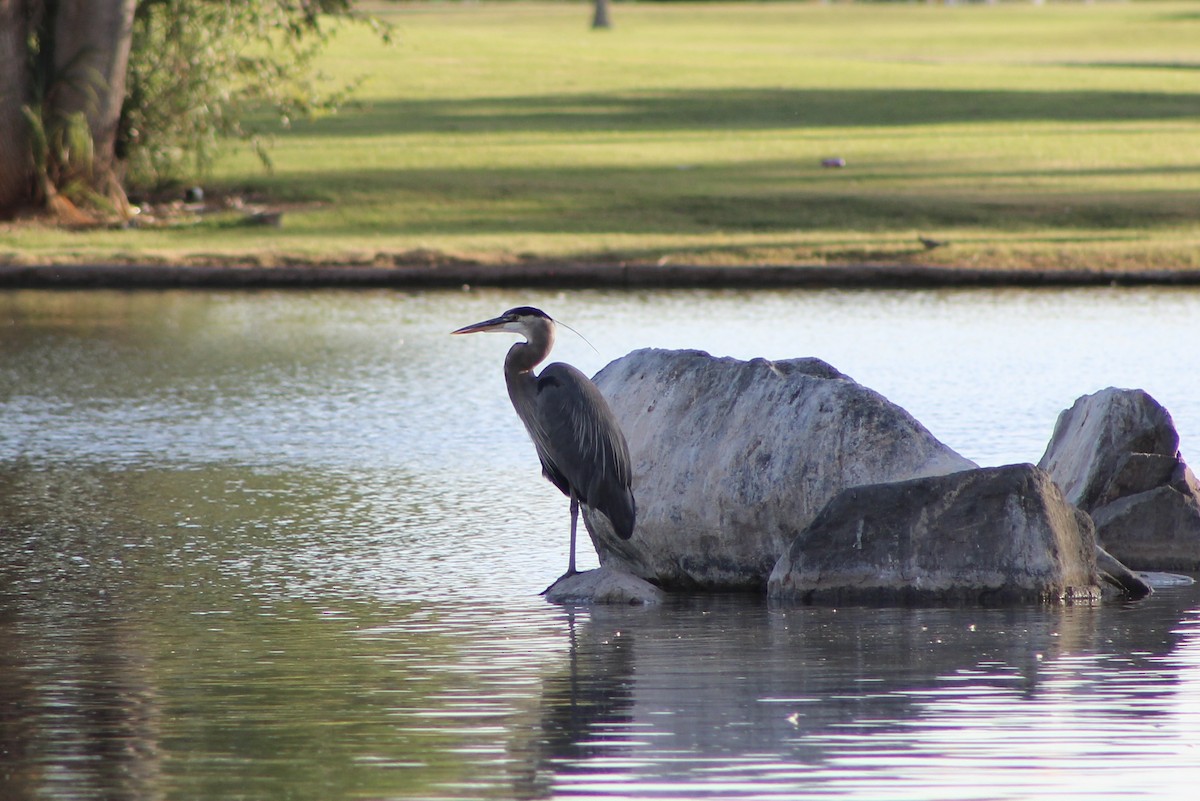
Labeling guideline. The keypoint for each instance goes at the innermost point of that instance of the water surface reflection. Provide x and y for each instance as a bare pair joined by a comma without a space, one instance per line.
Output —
288,545
780,701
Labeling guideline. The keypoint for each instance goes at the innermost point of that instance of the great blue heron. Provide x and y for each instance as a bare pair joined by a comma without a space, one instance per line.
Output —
576,434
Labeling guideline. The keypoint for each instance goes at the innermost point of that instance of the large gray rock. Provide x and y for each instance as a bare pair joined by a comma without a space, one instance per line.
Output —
1115,454
994,535
732,459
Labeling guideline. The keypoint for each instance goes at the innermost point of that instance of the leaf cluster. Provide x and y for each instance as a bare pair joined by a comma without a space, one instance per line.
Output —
202,72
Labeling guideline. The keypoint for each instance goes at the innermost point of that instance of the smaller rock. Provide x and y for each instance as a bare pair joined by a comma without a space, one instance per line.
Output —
1135,473
994,535
603,586
1123,582
1159,581
1155,530
1184,480
1093,440
1115,454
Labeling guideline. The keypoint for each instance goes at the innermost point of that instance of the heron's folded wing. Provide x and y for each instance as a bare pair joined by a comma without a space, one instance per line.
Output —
578,435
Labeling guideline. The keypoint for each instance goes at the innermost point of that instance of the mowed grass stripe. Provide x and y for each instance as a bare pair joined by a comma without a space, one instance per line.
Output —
1065,135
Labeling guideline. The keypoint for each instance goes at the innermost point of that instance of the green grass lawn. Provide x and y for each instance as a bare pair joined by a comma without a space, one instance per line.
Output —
1063,135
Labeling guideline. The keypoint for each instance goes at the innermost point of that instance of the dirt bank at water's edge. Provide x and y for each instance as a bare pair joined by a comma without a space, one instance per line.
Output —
560,275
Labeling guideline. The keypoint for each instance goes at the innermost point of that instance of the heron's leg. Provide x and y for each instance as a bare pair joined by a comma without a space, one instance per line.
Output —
571,564
574,523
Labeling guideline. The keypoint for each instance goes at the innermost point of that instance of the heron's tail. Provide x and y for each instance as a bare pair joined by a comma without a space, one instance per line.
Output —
621,511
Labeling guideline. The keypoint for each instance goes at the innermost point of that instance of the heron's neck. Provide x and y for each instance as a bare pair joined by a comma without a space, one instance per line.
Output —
520,378
524,356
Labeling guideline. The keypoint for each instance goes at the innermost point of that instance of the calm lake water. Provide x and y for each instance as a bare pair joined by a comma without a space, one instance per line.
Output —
288,546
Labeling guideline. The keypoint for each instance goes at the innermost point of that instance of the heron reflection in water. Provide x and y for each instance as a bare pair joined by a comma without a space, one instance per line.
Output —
576,434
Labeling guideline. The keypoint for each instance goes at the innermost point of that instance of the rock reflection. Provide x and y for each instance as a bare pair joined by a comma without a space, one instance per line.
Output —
685,692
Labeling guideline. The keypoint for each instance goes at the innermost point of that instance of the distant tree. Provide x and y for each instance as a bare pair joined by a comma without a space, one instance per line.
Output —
99,95
600,18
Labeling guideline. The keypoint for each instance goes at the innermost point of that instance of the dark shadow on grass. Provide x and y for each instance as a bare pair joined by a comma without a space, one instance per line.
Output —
749,109
761,197
1136,65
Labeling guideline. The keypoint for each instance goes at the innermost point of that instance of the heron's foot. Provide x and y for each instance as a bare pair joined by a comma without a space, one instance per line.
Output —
566,575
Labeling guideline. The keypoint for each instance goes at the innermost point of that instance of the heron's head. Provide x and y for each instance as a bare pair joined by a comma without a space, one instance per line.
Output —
524,320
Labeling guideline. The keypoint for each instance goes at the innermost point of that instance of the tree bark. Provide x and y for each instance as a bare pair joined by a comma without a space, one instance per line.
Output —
16,164
600,18
91,55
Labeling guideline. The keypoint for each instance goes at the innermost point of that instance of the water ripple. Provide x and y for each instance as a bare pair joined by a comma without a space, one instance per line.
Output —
273,545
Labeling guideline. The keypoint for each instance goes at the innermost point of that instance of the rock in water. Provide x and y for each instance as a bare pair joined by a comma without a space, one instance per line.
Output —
1093,440
603,586
1154,530
995,535
1115,455
732,459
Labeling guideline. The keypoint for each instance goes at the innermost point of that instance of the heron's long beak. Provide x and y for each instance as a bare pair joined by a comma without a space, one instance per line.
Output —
494,324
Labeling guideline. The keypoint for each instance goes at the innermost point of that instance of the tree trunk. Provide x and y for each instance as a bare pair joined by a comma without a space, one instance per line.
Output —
600,17
91,54
16,163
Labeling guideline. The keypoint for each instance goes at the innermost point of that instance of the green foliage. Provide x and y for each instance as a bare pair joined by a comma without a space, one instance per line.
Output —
204,72
39,143
62,152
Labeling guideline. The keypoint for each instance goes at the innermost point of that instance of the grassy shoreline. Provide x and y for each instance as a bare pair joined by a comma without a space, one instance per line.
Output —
1061,138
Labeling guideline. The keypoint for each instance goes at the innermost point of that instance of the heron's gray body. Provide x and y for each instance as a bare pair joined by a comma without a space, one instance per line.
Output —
577,439
575,433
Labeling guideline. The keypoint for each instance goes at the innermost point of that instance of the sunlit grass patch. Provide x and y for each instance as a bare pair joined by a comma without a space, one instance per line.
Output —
1066,134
